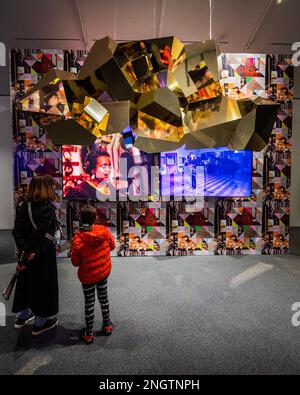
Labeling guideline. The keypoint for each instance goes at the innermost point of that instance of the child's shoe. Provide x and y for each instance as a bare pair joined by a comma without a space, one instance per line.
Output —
107,329
87,339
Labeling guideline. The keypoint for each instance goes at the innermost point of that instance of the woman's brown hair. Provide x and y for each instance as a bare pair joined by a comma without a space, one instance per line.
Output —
41,189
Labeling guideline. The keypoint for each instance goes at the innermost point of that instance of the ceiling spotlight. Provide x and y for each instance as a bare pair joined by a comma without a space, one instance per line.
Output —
279,1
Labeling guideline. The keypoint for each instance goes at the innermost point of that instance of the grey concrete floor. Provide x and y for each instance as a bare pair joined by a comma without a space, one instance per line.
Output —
198,315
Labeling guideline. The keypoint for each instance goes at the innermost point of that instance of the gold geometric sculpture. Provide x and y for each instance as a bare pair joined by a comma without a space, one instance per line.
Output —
253,131
168,93
49,95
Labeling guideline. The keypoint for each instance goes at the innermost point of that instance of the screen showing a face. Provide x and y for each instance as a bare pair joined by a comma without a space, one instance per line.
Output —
209,172
111,169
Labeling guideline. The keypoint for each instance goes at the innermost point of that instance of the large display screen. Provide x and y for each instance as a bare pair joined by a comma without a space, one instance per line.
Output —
111,169
209,172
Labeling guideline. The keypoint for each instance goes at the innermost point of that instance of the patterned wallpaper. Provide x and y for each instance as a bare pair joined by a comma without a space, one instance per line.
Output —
259,225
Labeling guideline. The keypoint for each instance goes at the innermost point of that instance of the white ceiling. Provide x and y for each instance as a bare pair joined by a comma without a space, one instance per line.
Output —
233,22
57,23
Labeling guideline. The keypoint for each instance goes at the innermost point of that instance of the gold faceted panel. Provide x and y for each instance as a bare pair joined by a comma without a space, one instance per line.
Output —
153,146
49,95
254,129
154,128
101,53
243,133
161,104
69,132
101,72
201,75
95,111
204,52
211,113
48,78
121,115
92,116
163,53
199,67
205,93
216,136
142,67
167,92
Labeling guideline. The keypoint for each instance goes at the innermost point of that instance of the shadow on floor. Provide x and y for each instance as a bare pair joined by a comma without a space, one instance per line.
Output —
17,340
59,336
24,341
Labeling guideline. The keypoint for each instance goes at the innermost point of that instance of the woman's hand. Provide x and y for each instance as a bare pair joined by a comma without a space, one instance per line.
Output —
20,267
31,256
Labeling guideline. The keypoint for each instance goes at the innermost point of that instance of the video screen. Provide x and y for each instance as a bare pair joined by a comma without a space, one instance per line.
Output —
216,172
111,169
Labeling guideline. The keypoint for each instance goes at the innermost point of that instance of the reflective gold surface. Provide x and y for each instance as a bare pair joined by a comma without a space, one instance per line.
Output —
168,93
154,128
153,145
119,116
211,113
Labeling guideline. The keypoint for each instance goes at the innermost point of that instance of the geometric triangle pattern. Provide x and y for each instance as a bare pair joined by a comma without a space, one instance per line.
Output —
34,153
257,225
143,229
192,231
261,224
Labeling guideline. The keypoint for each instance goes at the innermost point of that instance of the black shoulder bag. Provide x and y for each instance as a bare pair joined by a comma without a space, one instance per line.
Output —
23,257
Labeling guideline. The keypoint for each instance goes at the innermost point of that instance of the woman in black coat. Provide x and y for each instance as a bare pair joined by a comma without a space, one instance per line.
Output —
36,293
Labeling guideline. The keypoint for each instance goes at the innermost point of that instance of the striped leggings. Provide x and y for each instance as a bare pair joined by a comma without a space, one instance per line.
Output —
89,297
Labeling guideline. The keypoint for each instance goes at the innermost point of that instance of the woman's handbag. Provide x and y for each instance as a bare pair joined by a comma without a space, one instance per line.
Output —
24,259
8,290
56,239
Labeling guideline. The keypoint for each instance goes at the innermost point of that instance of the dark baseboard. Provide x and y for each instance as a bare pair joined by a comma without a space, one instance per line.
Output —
295,240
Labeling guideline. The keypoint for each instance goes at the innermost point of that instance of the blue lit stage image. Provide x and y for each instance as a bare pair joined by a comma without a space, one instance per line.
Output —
216,172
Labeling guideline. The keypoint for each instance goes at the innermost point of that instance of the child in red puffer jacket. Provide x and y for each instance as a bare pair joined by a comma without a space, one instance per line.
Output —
91,254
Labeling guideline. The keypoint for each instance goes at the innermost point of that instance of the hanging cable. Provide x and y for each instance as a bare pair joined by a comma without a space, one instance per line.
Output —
258,25
162,16
115,27
154,18
82,25
211,10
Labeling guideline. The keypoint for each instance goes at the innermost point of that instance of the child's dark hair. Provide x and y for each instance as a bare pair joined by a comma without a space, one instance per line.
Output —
88,215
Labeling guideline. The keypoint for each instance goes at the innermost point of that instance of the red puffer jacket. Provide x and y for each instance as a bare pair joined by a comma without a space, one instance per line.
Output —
91,253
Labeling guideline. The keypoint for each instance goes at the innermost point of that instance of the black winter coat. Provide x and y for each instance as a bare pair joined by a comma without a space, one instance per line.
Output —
37,285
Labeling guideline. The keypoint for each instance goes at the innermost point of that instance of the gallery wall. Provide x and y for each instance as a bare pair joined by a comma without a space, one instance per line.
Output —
256,225
6,165
295,188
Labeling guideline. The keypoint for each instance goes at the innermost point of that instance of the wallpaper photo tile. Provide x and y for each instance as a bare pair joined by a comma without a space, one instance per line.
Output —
143,229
